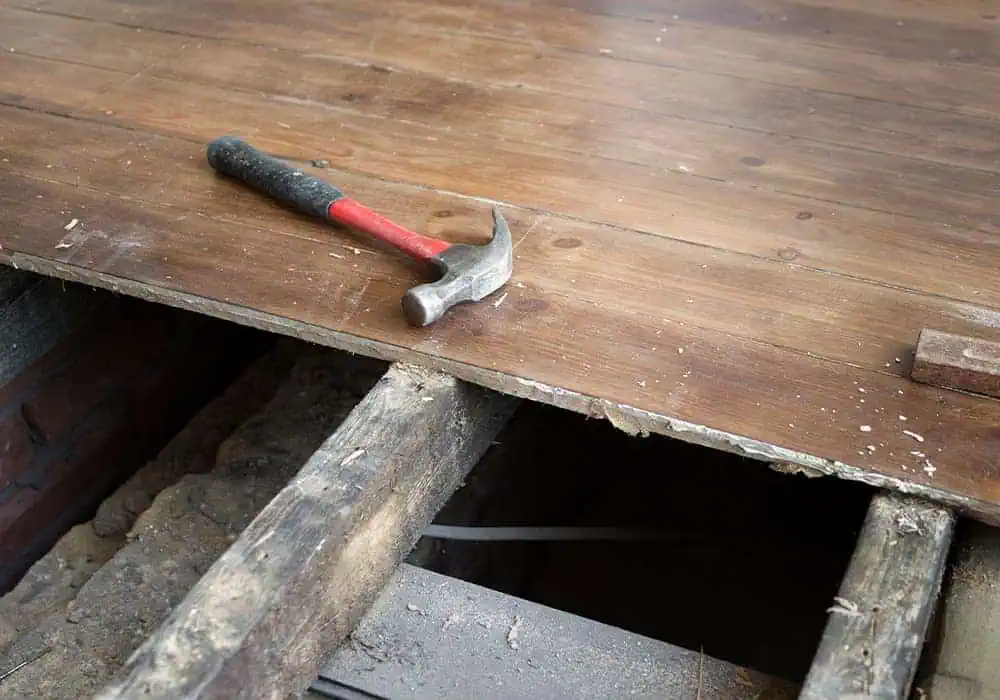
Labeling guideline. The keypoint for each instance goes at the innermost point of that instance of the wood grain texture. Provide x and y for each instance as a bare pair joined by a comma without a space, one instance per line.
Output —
263,618
727,246
952,361
875,633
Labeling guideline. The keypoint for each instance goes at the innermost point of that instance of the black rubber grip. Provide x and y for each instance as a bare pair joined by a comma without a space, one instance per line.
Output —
237,158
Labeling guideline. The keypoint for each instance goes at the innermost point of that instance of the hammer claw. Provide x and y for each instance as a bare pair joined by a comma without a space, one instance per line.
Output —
468,273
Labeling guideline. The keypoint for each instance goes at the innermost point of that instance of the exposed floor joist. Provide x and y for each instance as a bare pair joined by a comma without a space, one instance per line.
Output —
310,564
877,626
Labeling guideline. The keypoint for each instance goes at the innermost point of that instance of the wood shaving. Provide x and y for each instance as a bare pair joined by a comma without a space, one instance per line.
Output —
353,457
918,438
515,627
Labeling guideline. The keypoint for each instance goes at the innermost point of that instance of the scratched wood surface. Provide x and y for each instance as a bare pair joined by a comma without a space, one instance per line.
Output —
732,218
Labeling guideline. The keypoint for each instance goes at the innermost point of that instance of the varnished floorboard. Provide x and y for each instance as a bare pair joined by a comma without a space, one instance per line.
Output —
731,218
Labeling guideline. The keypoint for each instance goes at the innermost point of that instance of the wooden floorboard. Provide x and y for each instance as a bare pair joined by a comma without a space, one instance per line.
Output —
812,106
740,253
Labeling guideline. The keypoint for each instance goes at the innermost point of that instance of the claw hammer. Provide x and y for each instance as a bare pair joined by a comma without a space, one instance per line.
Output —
465,272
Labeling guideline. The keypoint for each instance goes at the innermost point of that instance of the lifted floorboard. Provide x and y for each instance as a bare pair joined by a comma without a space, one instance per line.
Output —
728,246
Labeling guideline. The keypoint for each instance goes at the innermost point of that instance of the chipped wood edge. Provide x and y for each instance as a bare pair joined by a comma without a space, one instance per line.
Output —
875,633
633,421
299,578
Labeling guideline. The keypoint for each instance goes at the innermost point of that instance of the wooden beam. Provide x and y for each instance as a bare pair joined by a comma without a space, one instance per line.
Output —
953,361
303,573
877,625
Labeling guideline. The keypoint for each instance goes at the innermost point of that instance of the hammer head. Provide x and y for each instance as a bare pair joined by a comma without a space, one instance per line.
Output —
468,273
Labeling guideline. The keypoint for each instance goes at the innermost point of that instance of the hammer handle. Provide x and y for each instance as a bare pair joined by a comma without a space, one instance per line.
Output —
305,193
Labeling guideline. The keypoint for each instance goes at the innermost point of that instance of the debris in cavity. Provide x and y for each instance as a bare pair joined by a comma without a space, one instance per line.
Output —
606,52
791,425
353,249
861,389
512,633
642,383
866,428
870,448
353,457
498,302
659,40
898,360
414,609
63,244
283,125
71,225
918,438
519,285
335,255
902,418
918,453
844,606
680,351
426,398
929,468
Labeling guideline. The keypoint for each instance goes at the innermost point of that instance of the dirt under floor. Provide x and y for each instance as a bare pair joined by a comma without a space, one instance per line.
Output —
108,583
751,564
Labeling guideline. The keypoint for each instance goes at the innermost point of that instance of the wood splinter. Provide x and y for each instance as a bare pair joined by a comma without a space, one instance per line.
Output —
952,361
267,614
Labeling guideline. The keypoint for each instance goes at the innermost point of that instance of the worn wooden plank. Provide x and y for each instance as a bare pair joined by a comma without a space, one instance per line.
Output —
758,221
504,646
302,574
513,70
877,625
877,29
670,360
953,361
725,259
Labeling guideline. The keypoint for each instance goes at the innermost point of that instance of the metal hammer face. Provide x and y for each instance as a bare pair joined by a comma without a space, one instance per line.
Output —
468,273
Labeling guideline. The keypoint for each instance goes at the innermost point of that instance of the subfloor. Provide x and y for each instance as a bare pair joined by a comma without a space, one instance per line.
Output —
731,219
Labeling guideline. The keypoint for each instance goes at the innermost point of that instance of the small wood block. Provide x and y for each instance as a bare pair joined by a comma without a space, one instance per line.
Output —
264,617
957,362
879,619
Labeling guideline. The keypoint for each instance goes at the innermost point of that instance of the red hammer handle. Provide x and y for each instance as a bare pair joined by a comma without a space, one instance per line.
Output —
310,195
359,217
